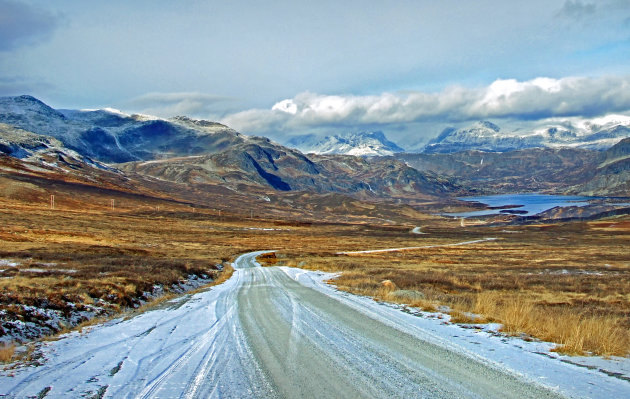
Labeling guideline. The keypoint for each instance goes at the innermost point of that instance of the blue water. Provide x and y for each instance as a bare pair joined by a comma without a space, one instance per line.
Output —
531,203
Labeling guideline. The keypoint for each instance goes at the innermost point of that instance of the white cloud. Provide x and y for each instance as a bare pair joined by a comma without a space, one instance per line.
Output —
181,103
505,98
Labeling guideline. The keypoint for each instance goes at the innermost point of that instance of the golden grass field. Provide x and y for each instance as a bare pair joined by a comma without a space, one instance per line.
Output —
566,283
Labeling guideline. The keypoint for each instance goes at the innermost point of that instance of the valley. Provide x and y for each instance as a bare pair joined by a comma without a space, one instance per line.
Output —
110,218
409,199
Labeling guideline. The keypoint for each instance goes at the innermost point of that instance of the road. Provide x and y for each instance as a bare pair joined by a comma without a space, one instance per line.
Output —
273,332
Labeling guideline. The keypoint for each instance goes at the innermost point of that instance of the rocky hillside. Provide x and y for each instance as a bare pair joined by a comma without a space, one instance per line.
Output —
262,163
183,150
111,136
535,169
611,176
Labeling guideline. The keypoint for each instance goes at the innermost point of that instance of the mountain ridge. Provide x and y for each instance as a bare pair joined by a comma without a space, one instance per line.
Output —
185,150
359,143
598,134
114,137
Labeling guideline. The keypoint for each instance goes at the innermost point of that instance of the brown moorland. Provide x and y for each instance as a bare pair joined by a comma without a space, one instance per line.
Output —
568,283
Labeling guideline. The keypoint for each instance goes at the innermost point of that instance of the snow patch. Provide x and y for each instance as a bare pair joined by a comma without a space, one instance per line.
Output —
9,263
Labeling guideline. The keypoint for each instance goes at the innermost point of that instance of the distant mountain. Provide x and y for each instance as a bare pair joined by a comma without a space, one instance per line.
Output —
196,153
559,170
531,169
597,134
112,136
269,165
360,144
611,176
22,144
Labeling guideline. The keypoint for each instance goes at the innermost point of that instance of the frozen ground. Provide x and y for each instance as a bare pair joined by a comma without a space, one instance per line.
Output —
283,332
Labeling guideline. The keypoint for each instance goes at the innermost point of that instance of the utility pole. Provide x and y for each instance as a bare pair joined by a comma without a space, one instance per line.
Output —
52,201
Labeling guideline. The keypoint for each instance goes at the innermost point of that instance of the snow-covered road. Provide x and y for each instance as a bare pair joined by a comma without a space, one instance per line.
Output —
283,332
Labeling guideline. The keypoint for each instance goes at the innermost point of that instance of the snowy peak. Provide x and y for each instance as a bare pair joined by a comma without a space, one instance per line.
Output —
598,133
483,135
28,106
359,144
112,136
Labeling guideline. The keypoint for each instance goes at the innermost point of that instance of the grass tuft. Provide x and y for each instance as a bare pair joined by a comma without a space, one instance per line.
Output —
6,352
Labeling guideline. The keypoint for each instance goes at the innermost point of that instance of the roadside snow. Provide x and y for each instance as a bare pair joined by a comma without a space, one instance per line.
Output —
28,322
195,346
577,377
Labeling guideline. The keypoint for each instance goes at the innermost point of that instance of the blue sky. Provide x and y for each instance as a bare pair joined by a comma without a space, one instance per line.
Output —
291,67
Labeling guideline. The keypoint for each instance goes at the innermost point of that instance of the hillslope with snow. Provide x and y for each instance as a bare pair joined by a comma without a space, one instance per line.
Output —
597,134
359,144
283,332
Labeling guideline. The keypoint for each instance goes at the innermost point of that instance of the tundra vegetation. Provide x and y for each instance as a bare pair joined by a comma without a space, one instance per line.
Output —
567,283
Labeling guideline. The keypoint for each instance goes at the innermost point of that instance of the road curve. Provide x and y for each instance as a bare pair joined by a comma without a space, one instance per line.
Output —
312,345
266,332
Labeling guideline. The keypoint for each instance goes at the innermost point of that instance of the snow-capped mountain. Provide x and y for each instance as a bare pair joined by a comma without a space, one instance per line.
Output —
183,150
360,144
113,136
25,145
598,134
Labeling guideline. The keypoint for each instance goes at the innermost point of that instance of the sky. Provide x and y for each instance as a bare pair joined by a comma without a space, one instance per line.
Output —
281,68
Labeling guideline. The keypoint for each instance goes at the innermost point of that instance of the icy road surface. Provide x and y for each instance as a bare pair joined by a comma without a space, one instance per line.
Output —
282,332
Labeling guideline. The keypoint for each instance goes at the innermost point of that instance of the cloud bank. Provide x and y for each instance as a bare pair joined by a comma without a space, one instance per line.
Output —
535,99
182,103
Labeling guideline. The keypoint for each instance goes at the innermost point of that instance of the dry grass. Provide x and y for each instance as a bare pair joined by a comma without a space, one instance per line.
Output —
575,332
84,258
566,283
70,261
6,352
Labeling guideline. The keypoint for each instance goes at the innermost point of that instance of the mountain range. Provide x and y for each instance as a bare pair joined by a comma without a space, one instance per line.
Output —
595,134
559,170
111,136
184,152
360,144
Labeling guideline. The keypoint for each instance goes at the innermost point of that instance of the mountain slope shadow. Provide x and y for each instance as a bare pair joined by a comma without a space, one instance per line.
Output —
274,181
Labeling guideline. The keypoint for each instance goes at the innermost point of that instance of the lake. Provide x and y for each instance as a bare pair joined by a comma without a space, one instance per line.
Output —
528,204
